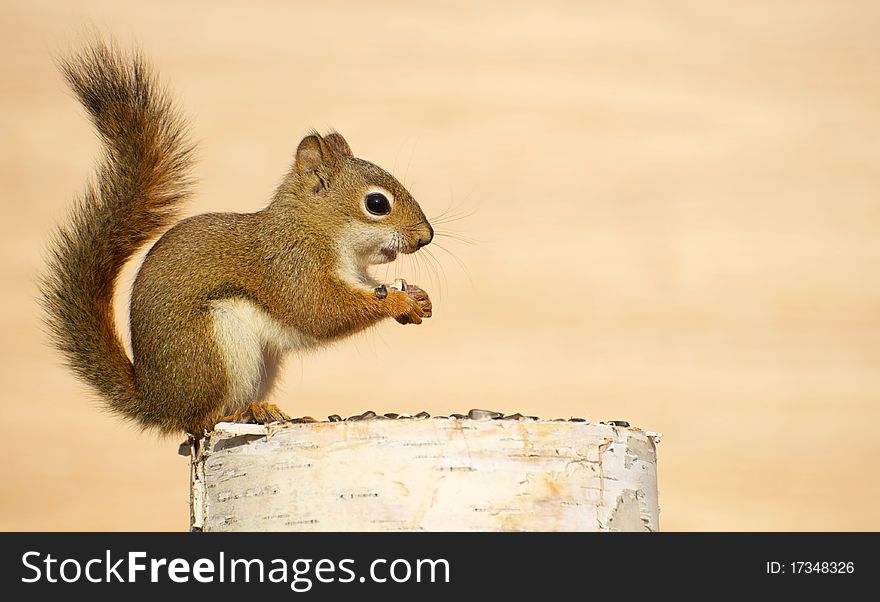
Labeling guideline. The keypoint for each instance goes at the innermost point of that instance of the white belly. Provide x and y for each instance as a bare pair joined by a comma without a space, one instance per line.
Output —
253,344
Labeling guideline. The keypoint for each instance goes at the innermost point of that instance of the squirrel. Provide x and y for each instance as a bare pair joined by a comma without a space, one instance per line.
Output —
220,297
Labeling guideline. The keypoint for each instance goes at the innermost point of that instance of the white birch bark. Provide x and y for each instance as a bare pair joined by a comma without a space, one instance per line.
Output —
425,474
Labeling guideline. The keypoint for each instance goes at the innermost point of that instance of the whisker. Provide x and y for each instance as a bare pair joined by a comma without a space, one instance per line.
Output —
451,209
423,262
439,272
411,153
460,263
447,216
414,267
397,156
459,237
399,249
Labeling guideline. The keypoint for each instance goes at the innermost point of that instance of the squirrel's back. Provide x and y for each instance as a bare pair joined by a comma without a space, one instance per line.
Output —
138,188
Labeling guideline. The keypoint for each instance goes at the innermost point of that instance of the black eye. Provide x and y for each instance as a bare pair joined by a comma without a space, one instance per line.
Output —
377,204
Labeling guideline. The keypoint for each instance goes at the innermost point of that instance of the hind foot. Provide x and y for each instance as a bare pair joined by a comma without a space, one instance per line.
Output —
258,412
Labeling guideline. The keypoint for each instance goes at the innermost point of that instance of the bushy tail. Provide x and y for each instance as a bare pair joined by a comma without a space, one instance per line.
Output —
139,185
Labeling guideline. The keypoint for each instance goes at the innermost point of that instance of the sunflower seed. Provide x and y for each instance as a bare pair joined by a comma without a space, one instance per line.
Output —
477,414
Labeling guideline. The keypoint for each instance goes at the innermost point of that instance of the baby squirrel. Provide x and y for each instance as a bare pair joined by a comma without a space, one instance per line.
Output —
220,297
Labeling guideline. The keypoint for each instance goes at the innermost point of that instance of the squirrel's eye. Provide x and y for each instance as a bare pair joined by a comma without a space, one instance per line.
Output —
377,204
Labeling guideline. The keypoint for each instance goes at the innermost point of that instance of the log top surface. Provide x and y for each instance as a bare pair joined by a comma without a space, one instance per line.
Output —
464,420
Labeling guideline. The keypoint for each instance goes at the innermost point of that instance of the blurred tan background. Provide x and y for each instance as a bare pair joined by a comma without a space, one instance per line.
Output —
674,206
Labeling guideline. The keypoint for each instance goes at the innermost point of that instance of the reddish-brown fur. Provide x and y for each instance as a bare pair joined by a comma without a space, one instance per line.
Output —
284,259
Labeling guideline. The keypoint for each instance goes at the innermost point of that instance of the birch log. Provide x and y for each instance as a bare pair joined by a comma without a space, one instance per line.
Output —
425,474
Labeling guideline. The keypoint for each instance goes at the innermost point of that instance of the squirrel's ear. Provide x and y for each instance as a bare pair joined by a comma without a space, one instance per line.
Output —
335,140
312,154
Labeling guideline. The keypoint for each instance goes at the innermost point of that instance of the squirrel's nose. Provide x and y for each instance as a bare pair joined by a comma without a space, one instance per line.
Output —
423,240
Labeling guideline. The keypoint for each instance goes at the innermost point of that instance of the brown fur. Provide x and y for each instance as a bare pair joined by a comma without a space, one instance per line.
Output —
284,259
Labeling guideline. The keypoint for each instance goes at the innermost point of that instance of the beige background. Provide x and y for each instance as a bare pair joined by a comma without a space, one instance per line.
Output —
674,209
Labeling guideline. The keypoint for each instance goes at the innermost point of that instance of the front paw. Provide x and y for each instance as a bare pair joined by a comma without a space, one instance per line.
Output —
421,297
415,303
